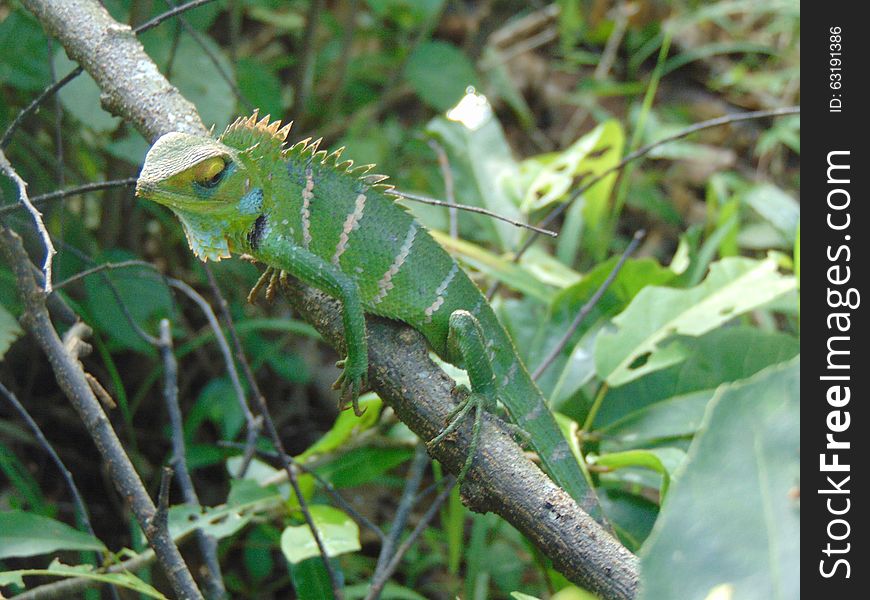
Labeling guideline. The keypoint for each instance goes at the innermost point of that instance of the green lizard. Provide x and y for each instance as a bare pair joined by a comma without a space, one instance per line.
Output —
301,211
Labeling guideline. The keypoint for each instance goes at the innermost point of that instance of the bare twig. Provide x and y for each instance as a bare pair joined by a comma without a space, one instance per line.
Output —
124,264
81,189
10,172
305,75
380,579
254,425
327,486
584,311
406,503
474,209
207,543
447,175
72,381
212,57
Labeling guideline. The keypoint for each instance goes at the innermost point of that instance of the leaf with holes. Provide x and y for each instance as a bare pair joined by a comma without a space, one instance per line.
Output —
644,338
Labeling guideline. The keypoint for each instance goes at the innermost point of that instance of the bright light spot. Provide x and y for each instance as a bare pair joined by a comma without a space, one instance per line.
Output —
472,111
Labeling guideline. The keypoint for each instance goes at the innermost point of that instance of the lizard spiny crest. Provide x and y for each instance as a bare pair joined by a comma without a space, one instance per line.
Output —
252,134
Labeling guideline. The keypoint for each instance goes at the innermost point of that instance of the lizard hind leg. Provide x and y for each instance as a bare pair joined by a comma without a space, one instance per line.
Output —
466,344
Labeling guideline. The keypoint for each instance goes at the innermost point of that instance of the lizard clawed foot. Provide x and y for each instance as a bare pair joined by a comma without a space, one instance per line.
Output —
351,383
478,402
269,279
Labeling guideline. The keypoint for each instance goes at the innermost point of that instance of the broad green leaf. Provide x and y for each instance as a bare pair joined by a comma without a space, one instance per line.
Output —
483,166
195,73
346,425
503,269
645,329
311,580
219,404
58,569
25,53
269,477
776,207
670,403
440,73
338,532
363,465
27,534
260,85
81,97
736,492
143,292
9,330
564,376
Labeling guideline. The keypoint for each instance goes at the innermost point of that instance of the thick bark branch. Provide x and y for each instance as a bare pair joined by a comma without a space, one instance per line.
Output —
503,479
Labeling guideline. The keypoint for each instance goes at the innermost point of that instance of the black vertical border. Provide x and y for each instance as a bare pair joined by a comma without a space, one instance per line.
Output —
825,131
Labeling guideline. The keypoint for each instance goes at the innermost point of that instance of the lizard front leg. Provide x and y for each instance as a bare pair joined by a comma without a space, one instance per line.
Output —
465,341
312,270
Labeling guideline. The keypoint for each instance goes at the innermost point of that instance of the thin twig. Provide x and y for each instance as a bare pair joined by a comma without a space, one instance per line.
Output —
75,191
379,581
10,172
474,209
447,175
254,425
584,311
406,503
207,544
124,264
206,309
168,15
642,151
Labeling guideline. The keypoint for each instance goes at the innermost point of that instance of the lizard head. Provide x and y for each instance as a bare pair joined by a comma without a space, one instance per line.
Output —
206,183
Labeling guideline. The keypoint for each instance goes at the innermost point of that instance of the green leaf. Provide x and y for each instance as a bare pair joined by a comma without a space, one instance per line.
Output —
144,293
363,465
58,569
776,207
311,580
440,73
346,426
338,532
483,166
733,287
81,97
27,534
661,460
731,518
554,175
25,53
670,403
195,73
503,269
9,330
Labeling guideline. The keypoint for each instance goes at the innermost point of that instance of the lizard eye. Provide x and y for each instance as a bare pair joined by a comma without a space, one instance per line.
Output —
209,172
